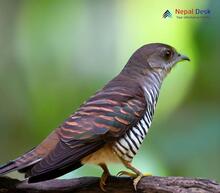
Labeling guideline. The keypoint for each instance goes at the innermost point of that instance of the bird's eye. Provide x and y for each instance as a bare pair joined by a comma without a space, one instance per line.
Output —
167,54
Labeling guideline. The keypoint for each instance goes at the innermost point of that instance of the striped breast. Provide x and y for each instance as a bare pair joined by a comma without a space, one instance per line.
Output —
128,145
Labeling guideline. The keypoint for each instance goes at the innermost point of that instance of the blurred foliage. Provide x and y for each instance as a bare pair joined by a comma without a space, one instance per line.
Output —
55,54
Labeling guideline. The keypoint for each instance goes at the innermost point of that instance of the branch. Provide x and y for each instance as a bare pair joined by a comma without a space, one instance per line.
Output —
151,184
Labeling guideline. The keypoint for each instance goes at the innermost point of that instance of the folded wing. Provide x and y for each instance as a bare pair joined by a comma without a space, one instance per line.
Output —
104,118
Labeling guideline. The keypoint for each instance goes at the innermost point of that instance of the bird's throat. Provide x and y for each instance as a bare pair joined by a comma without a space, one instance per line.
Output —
151,84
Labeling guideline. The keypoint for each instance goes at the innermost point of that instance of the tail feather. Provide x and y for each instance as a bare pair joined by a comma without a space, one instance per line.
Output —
20,163
25,162
55,173
10,166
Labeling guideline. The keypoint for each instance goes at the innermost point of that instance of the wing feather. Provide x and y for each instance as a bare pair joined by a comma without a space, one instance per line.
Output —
105,117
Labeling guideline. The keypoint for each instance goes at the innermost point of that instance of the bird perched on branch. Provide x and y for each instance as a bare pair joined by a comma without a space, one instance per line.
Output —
109,127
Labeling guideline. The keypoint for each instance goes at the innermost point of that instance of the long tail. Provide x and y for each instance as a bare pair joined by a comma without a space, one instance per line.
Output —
25,162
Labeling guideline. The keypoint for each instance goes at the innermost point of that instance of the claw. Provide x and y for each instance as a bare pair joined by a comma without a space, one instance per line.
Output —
136,181
137,177
102,182
102,185
104,177
125,173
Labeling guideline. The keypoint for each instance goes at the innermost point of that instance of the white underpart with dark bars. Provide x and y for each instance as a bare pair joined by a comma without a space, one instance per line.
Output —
128,145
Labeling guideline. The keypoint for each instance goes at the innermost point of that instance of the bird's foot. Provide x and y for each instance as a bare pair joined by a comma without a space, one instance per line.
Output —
103,180
137,175
125,173
104,177
130,174
137,179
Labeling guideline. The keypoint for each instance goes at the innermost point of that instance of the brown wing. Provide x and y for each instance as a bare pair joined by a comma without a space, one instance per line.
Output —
104,117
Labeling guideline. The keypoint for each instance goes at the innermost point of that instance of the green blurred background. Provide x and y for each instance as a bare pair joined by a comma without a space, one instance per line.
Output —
55,54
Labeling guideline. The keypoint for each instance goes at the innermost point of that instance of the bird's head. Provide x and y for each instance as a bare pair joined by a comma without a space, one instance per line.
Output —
156,56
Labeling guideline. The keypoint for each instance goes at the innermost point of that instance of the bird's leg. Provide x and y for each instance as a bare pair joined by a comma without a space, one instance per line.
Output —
104,176
137,175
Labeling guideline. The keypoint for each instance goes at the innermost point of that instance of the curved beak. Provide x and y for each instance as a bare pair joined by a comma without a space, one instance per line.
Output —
179,58
183,57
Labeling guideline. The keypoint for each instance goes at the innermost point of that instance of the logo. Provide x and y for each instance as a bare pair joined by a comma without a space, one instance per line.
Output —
167,14
193,13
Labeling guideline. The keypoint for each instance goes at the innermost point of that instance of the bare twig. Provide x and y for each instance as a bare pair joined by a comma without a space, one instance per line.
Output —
151,184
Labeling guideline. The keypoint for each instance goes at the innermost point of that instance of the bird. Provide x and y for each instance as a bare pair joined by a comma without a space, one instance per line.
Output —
109,127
